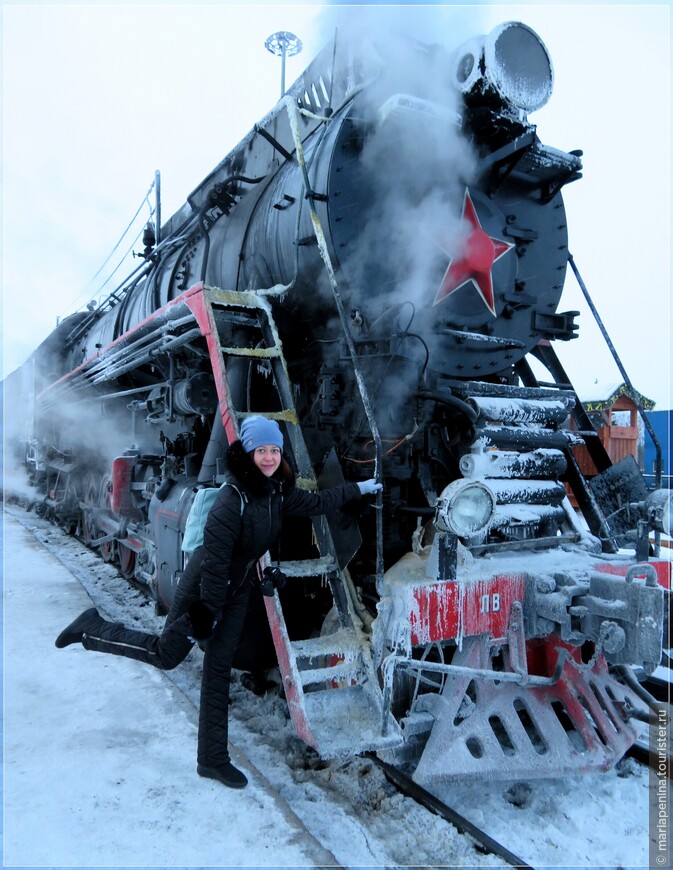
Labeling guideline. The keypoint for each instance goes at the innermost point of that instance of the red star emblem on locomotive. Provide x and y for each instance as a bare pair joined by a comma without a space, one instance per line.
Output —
476,262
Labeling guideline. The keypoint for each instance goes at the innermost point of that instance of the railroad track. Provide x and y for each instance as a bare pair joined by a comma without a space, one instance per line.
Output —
659,687
131,604
363,794
464,826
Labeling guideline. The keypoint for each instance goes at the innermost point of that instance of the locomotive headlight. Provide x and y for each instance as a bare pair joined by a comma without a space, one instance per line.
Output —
465,508
519,65
510,65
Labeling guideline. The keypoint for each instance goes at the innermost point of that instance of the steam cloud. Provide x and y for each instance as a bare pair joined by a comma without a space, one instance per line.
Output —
412,227
95,437
419,171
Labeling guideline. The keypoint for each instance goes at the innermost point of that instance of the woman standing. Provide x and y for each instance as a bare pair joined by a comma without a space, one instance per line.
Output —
212,597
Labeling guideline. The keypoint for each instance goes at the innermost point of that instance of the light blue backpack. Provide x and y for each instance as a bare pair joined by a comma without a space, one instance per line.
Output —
198,514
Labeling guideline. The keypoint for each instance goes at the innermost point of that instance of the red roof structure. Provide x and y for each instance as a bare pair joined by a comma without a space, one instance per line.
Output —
615,417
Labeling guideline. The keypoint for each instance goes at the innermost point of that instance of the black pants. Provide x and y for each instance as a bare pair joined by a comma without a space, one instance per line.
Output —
172,646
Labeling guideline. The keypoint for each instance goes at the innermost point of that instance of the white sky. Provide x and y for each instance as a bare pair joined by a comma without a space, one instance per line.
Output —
97,97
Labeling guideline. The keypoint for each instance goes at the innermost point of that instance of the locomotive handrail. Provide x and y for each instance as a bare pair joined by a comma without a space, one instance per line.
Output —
395,660
483,340
130,224
245,158
139,272
82,327
293,113
658,462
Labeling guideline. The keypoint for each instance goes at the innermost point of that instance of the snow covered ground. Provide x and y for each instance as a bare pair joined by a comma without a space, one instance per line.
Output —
99,761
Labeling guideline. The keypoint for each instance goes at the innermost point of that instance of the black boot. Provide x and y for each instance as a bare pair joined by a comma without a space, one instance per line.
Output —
257,683
227,774
88,621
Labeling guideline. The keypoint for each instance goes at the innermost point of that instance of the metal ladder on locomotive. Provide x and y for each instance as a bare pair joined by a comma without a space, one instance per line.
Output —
330,678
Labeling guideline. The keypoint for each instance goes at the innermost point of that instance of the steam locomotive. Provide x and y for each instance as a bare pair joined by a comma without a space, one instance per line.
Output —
378,267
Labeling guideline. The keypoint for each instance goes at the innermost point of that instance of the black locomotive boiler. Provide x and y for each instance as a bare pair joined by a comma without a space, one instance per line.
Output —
378,265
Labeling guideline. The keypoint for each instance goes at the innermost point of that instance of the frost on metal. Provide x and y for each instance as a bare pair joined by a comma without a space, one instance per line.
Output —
520,410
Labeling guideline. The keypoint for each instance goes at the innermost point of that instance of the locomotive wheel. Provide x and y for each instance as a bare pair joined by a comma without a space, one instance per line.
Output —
108,550
127,562
71,527
90,498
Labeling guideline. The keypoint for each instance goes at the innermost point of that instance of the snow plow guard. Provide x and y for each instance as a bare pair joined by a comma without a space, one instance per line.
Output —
507,725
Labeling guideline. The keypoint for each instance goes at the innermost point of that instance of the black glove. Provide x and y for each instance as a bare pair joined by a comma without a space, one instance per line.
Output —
273,579
204,620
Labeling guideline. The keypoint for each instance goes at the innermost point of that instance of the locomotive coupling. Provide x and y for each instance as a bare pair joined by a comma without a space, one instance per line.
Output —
622,616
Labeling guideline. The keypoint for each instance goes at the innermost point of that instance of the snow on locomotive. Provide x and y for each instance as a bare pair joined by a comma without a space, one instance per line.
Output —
374,266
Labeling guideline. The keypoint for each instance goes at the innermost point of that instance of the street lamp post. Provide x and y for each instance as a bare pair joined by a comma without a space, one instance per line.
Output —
283,44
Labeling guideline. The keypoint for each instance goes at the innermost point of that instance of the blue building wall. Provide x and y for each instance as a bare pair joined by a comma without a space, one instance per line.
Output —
661,423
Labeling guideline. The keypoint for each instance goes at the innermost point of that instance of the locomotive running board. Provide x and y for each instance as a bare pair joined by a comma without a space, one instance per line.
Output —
512,731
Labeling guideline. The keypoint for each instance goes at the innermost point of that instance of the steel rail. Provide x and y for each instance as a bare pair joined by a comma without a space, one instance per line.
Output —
464,826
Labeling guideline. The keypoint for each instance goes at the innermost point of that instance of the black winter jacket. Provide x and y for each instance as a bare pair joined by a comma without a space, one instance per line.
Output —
235,539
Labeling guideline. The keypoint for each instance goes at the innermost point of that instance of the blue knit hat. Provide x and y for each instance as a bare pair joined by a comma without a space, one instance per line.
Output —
258,431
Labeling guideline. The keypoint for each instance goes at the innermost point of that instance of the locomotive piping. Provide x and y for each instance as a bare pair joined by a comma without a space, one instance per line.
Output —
201,218
84,325
454,401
